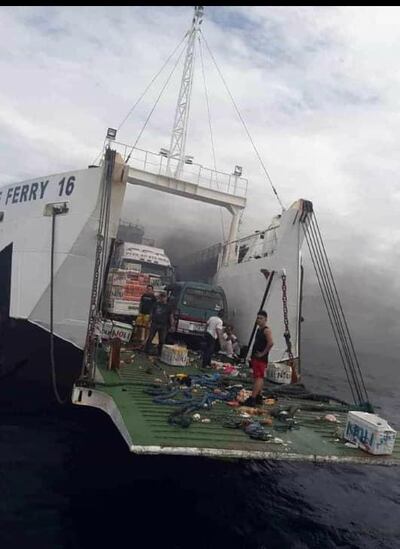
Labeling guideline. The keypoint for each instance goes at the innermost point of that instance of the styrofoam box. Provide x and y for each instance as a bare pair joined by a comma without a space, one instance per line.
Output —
103,328
125,307
370,432
279,373
122,331
174,355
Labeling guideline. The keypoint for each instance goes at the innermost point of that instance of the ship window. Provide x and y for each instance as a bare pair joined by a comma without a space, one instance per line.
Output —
1,216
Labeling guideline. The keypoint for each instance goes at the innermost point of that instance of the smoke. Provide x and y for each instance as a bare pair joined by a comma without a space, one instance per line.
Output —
179,225
183,227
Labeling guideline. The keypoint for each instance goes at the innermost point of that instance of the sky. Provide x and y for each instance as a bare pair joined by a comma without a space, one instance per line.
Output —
318,87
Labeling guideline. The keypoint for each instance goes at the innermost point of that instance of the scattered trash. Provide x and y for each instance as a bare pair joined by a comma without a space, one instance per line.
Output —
339,432
331,418
196,417
351,445
266,421
269,401
277,440
206,420
250,410
256,430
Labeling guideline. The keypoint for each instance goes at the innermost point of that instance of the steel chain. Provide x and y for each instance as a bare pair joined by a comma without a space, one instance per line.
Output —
286,334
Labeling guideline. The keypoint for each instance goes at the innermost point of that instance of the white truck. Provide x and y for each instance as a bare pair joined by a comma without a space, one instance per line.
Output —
133,267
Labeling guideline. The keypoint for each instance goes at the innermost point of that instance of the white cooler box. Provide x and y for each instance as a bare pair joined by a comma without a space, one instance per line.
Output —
121,331
370,432
279,373
174,355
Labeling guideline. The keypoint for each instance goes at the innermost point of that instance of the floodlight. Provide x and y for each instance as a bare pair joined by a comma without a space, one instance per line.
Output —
111,133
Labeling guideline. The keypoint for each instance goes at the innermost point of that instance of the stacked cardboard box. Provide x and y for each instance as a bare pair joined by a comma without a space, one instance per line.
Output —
125,285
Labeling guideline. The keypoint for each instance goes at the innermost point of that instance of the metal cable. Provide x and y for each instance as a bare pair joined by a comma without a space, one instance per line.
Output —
52,354
311,250
155,104
211,133
352,358
341,310
143,94
332,304
151,82
325,279
244,125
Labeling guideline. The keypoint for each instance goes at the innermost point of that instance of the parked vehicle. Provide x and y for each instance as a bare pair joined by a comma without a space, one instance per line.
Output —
194,303
134,266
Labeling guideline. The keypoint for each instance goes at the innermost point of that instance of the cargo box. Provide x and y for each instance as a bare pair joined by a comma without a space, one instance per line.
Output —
121,331
370,432
279,372
174,355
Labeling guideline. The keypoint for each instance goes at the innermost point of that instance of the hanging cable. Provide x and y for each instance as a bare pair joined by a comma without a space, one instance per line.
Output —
341,311
211,133
321,260
335,311
52,354
244,124
155,104
151,82
327,306
98,157
143,93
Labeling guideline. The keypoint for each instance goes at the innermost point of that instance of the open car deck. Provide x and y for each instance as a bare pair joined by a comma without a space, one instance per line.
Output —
134,398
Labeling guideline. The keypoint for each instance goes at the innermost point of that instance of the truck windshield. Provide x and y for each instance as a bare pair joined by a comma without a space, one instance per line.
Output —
203,299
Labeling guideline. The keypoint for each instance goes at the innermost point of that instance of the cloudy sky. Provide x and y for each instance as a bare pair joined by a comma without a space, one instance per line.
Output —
319,88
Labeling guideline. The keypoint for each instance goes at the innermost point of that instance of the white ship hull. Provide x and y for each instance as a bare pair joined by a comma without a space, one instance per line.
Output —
25,255
278,251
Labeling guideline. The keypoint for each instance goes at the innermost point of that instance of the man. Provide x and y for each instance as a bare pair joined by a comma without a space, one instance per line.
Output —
147,302
259,358
214,328
161,321
229,343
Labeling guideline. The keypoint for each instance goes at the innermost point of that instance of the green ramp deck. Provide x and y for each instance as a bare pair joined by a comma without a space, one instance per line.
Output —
144,423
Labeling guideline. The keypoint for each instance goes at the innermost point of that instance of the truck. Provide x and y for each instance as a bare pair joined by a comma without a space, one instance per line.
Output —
193,304
133,267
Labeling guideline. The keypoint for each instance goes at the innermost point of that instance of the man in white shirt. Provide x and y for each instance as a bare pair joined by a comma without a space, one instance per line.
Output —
214,328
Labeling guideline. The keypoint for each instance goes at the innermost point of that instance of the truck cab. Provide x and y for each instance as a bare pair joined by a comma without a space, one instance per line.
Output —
193,304
133,267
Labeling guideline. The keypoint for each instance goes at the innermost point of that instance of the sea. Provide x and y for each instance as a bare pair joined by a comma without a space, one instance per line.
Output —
67,480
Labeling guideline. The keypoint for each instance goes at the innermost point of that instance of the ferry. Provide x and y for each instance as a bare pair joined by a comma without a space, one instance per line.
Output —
57,233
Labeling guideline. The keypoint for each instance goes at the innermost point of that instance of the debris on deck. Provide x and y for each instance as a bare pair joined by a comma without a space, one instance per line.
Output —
194,411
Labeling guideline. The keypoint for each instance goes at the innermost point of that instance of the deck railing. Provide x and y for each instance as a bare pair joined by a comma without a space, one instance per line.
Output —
193,173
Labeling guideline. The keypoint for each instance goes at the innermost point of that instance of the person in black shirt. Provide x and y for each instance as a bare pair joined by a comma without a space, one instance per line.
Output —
259,358
147,301
146,305
161,321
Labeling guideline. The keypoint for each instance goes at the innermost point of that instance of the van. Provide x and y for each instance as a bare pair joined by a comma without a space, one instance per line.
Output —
193,304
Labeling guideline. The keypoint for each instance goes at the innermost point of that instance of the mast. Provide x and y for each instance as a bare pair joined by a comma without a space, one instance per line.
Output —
179,130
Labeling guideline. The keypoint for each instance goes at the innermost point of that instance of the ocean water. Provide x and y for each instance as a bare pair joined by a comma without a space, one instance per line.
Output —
68,481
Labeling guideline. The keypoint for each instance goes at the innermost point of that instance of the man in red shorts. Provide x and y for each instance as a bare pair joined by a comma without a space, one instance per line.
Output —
259,358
